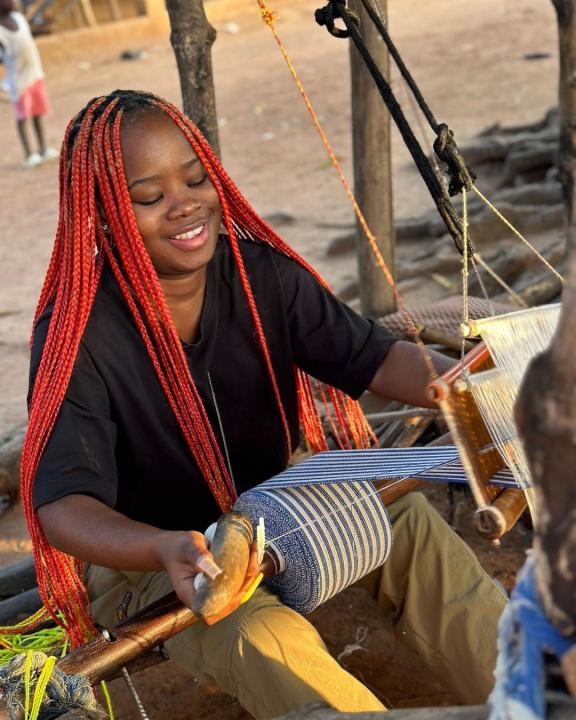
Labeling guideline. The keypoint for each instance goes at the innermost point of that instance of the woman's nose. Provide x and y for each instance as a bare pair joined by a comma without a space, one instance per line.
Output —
184,204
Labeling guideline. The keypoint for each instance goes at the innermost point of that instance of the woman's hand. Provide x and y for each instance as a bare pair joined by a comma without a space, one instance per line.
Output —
252,573
185,554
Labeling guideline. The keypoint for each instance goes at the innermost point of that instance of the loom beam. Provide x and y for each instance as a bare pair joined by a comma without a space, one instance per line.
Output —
498,510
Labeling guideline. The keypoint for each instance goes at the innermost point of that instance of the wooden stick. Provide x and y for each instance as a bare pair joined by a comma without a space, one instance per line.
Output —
15,608
16,578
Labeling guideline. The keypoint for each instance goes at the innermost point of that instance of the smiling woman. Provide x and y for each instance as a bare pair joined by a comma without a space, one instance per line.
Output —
174,347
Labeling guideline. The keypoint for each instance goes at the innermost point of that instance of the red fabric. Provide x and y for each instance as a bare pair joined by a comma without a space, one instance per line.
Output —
33,101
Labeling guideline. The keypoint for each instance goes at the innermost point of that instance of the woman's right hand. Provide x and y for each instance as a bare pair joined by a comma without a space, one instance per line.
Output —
184,555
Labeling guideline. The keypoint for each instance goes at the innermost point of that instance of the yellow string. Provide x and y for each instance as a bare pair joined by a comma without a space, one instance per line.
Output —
108,699
517,233
45,676
269,18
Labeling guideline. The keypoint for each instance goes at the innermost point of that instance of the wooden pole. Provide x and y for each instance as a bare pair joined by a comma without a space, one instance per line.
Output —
372,169
546,408
192,38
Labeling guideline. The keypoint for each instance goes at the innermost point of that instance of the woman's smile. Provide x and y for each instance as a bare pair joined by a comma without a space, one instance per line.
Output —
192,239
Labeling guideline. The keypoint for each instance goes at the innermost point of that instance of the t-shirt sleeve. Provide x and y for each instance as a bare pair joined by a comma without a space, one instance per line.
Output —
329,340
79,457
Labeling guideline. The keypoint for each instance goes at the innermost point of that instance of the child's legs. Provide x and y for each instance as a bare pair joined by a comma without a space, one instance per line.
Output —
39,130
264,654
23,135
443,603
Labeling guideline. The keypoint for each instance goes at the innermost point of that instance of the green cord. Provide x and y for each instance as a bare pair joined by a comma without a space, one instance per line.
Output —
106,694
47,640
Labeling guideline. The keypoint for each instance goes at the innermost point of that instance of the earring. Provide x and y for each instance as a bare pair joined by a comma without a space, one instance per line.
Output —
105,227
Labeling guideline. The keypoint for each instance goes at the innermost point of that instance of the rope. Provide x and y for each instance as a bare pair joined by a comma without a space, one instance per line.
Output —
444,146
32,684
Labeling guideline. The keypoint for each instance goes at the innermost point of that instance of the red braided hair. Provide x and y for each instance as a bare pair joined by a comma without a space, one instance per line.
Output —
91,170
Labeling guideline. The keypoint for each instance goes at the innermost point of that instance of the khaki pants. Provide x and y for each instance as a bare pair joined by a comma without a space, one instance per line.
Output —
272,660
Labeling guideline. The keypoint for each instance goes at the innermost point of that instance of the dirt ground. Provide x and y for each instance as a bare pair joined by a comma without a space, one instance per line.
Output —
470,60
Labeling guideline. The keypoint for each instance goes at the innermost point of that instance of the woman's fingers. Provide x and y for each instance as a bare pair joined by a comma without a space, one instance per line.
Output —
252,573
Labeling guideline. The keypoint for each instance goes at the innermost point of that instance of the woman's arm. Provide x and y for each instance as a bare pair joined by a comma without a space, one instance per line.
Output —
404,375
89,530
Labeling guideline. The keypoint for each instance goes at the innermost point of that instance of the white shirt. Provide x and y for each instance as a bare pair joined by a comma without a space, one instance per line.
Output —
20,57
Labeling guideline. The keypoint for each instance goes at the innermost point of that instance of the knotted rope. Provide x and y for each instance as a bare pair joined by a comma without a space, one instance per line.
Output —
32,684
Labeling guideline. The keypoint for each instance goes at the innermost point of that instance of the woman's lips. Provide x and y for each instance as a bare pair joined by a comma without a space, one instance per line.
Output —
191,240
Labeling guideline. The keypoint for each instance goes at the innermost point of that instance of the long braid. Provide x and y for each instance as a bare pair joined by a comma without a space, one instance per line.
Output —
91,167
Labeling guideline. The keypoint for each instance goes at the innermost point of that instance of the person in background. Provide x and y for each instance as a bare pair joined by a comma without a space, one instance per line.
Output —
25,81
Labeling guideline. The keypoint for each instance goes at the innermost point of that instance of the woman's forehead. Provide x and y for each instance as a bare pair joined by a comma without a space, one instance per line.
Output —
153,142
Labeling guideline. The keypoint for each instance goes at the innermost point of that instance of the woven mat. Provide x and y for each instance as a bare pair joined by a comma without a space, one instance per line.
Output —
445,315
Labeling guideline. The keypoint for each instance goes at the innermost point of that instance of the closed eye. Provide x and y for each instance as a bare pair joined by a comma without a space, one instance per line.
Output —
148,202
199,182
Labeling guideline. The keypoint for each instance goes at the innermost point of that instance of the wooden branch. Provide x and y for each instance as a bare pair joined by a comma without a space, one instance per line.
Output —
374,418
19,606
10,452
539,289
17,578
320,711
540,156
439,337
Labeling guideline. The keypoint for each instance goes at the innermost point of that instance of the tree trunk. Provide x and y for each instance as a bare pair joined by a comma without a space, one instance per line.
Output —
372,169
546,409
192,37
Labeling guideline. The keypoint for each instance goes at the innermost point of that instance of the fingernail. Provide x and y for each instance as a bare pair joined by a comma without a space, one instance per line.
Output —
208,566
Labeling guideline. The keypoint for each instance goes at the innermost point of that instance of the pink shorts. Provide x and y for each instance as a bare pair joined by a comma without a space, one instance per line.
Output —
33,101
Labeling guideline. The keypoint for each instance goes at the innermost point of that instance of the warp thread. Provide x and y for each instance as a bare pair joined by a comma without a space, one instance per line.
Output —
62,694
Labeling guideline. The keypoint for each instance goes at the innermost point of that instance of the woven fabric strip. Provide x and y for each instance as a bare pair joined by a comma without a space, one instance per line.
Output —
439,463
327,536
328,525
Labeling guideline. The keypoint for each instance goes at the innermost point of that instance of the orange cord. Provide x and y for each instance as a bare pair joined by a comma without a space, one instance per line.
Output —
270,17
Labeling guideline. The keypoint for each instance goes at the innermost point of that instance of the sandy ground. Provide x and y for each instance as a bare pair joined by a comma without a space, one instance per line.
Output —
469,59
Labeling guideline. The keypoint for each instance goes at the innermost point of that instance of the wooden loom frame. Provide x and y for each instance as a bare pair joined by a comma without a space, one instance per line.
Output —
498,510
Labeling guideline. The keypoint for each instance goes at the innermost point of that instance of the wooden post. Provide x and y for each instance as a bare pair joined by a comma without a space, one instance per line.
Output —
546,409
192,37
372,169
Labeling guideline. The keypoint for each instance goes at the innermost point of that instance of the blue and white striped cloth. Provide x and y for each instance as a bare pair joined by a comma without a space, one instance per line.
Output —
327,525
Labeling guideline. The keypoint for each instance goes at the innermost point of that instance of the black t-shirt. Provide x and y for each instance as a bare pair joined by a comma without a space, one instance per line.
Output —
116,437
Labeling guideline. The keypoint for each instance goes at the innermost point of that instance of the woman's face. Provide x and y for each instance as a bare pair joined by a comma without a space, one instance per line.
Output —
176,206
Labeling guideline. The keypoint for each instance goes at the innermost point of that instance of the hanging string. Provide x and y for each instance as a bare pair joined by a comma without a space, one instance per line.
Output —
483,288
517,233
514,295
465,303
270,18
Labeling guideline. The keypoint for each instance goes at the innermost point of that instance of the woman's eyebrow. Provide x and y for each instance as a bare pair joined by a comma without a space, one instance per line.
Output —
140,181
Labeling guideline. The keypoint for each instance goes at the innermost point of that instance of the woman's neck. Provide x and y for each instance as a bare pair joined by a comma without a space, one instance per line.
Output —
185,298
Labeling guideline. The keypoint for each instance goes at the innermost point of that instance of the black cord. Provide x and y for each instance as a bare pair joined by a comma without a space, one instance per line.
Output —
444,145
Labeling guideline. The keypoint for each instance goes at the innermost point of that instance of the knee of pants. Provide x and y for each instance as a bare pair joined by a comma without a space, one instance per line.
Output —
412,511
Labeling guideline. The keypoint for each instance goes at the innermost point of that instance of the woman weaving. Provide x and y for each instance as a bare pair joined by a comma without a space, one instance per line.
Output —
163,384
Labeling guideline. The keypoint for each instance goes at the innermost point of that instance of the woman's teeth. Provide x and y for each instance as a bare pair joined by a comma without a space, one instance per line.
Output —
189,235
